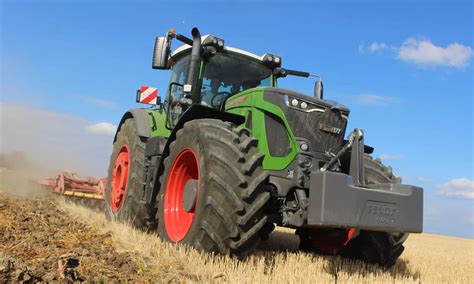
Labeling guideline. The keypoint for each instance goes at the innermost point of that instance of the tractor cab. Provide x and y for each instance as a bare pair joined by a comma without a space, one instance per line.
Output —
205,72
221,75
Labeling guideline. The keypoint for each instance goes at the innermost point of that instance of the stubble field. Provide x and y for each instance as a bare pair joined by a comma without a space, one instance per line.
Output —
46,238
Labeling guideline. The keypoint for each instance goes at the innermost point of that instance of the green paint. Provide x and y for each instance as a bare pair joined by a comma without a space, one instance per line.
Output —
157,122
258,107
201,66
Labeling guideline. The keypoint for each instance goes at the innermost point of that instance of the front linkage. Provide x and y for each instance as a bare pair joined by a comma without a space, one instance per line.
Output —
340,200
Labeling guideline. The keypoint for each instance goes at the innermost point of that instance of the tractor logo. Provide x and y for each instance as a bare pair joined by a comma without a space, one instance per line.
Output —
330,129
236,102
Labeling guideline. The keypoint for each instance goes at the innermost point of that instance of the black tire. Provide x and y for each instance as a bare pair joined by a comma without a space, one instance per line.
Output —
228,216
381,248
376,172
131,210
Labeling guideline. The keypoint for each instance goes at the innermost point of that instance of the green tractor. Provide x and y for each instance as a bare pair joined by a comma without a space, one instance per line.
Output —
227,156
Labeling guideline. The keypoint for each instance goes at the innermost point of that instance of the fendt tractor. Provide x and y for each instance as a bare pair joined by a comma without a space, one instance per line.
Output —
227,155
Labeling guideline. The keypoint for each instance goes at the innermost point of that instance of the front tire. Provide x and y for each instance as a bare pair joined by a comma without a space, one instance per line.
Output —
381,248
212,193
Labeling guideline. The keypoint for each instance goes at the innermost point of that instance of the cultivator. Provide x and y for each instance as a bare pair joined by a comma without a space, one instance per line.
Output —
87,191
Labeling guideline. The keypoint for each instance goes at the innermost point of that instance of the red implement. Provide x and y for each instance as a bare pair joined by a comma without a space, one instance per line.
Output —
68,183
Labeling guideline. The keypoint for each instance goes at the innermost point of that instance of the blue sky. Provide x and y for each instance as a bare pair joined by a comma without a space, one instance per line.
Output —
404,68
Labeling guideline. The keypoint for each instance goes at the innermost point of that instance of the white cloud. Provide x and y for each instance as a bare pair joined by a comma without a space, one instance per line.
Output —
458,187
423,179
447,216
370,99
373,47
388,157
100,102
102,128
424,53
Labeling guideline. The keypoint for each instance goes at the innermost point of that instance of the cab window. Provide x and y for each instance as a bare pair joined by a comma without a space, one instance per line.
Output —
226,74
175,91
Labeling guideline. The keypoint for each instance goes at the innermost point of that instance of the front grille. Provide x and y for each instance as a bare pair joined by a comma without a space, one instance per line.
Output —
308,125
306,114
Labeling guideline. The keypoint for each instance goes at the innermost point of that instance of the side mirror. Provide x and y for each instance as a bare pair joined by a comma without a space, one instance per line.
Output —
161,53
318,89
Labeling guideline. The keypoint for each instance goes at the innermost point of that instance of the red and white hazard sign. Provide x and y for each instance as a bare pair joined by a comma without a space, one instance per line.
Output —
147,95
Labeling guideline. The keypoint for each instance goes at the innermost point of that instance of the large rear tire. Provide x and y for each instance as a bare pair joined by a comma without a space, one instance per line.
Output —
125,178
212,189
382,248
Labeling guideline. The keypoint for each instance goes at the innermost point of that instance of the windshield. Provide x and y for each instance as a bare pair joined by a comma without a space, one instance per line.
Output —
226,74
223,75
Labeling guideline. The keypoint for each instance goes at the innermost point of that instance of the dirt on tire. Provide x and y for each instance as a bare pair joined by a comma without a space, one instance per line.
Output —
39,242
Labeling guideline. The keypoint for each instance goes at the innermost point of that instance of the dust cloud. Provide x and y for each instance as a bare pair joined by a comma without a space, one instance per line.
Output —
37,143
18,176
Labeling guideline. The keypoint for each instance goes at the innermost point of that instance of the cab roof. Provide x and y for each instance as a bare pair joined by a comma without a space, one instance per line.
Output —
185,47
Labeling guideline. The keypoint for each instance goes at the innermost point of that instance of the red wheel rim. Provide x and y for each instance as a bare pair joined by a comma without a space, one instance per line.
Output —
177,220
120,178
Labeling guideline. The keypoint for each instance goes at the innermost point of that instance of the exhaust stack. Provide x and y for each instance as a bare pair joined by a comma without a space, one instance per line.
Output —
190,83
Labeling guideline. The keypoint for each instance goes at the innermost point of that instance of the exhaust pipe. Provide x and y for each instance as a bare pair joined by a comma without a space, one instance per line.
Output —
190,84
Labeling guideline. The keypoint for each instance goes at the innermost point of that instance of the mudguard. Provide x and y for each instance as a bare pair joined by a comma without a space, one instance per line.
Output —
140,117
199,112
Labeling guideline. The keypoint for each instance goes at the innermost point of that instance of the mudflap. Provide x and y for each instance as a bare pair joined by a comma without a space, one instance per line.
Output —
334,201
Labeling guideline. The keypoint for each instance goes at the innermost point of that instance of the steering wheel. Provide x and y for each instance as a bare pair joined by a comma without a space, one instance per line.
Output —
219,98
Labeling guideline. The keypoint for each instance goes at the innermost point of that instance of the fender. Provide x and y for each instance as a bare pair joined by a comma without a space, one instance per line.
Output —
140,116
199,112
192,113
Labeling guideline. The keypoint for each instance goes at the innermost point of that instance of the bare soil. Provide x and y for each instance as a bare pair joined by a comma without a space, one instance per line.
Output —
40,242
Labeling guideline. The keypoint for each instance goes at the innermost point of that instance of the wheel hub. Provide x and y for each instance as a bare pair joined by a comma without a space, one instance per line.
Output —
190,195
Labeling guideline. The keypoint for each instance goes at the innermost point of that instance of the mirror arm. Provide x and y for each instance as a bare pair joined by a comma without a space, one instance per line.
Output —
283,72
184,39
180,37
